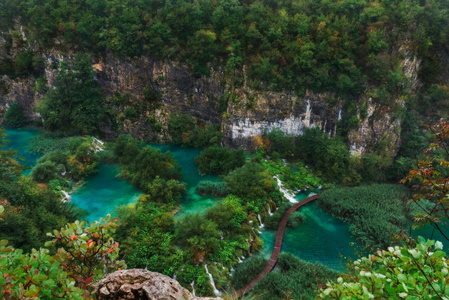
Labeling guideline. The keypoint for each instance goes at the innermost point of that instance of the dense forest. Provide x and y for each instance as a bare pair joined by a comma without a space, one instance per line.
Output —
351,51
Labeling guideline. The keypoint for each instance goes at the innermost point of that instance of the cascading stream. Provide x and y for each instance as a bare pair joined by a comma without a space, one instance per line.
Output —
212,282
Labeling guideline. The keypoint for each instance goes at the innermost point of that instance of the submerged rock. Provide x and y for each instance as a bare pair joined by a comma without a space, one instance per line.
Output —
142,284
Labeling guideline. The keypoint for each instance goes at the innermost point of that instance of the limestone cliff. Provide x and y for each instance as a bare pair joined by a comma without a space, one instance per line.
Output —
248,112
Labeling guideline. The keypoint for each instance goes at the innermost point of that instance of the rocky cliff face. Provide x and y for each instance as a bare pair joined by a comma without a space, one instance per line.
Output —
249,112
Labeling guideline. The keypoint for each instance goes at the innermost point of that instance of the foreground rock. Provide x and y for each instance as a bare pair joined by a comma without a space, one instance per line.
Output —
142,284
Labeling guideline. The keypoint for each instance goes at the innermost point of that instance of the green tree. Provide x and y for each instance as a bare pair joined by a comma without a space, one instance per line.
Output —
15,116
75,104
219,160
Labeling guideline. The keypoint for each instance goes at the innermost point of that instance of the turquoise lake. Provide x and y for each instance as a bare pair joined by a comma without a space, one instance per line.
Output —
320,238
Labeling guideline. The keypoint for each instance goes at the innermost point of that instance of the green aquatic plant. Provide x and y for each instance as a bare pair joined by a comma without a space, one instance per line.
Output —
375,213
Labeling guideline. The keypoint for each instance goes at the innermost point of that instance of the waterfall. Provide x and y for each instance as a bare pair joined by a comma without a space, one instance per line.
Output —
260,221
66,196
174,275
290,196
269,210
193,289
97,145
216,292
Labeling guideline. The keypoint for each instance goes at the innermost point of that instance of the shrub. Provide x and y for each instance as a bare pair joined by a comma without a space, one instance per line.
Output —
413,272
293,279
219,160
15,116
246,271
46,171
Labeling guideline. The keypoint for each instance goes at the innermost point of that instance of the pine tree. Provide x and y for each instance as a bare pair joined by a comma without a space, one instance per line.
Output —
75,103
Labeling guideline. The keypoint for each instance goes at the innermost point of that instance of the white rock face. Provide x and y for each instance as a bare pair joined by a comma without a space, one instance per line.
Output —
245,128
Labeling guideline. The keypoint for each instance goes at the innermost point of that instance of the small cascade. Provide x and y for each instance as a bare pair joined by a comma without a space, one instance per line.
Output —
66,196
290,196
212,282
260,221
174,275
312,194
269,210
193,288
97,145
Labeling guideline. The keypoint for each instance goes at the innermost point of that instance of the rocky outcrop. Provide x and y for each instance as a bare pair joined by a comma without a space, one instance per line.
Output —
257,112
249,112
142,284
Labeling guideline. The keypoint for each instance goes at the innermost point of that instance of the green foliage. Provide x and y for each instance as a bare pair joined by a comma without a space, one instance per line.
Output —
183,131
280,143
15,116
75,104
287,45
31,210
295,178
87,253
328,156
130,112
220,235
219,160
293,279
272,222
149,164
246,271
418,272
46,171
146,233
165,191
205,187
253,183
49,142
199,235
374,213
76,161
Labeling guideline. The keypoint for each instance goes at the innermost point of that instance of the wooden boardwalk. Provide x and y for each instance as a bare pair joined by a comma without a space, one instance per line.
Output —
277,246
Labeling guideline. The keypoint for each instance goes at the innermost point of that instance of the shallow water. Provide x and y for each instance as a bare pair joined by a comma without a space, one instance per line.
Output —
103,192
191,202
17,140
320,238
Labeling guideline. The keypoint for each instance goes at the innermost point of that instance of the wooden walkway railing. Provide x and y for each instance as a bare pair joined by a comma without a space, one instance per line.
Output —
277,246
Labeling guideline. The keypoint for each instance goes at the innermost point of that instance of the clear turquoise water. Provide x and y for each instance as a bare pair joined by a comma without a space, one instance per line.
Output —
103,192
191,202
321,238
17,140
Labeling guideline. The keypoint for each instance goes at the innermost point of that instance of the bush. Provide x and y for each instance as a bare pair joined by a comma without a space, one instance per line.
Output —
281,144
211,188
219,160
246,271
252,181
46,171
329,157
183,131
15,116
293,279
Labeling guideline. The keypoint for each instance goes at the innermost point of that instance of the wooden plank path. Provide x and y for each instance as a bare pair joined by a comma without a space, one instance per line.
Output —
277,246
